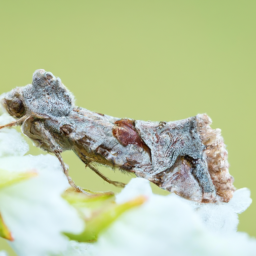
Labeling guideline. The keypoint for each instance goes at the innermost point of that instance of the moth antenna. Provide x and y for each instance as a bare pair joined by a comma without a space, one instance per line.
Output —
15,123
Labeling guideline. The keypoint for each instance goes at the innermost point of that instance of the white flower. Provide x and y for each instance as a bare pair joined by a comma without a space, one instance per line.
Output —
79,249
2,253
170,225
33,209
223,218
11,142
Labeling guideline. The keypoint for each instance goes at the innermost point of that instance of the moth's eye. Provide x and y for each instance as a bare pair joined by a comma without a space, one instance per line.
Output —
15,107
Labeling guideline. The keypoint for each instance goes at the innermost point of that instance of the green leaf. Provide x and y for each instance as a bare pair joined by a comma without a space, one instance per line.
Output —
84,201
9,178
98,219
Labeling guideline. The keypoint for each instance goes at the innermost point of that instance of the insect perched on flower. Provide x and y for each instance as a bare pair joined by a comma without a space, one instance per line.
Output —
186,157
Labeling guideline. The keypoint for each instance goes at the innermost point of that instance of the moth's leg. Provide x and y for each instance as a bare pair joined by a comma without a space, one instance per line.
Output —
115,183
36,130
22,119
204,179
65,170
55,148
15,123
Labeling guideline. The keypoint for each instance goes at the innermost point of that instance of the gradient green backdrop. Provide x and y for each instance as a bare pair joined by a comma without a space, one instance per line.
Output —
149,60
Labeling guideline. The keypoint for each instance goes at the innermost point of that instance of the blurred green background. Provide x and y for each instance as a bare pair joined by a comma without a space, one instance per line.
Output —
149,60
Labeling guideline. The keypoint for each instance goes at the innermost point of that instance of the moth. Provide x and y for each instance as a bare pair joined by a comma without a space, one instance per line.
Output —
186,157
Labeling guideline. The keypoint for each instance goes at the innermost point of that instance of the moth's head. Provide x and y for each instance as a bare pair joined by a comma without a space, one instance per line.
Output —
46,95
13,103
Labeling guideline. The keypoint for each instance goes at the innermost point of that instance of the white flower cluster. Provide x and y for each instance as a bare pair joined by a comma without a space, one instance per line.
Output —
37,215
170,225
33,209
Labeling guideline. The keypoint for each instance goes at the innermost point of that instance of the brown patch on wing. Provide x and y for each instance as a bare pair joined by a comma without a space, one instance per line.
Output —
126,134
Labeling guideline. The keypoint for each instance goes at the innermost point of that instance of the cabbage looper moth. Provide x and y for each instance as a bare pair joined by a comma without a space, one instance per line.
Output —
186,157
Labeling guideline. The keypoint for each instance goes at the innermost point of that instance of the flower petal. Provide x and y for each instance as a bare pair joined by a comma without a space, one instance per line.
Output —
10,178
11,142
98,211
33,209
